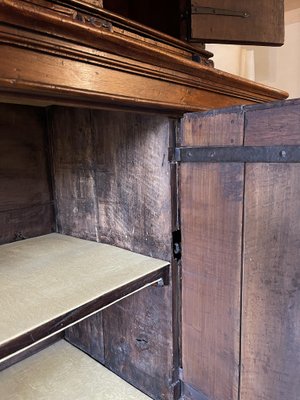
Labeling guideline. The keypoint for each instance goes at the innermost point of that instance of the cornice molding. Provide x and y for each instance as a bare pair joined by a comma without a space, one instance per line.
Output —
54,33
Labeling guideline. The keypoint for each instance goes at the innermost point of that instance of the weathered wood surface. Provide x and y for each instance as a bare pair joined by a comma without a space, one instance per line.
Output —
271,290
211,216
87,335
273,124
266,298
111,169
263,25
138,341
112,178
73,153
26,208
211,213
213,128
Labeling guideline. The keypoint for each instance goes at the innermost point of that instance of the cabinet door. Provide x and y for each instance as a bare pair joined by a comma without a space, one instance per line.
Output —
231,21
240,213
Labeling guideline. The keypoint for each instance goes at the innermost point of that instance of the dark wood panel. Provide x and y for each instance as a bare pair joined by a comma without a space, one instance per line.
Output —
273,124
213,128
138,344
25,194
211,213
271,294
132,182
112,172
264,23
87,335
25,223
73,170
23,170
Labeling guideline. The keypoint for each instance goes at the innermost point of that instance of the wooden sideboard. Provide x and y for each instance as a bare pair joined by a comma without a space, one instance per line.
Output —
90,115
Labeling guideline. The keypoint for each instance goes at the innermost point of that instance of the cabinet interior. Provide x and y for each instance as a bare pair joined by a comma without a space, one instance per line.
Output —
101,176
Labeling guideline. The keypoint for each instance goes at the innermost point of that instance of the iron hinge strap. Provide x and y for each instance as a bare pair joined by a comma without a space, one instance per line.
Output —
220,11
241,154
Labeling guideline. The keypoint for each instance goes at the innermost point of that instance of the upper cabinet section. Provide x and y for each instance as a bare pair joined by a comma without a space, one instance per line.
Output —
231,21
79,54
209,21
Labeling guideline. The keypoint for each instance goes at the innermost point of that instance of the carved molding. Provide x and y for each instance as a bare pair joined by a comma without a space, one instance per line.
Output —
79,55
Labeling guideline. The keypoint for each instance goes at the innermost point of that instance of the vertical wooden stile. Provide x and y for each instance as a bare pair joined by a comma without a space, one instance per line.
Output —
211,215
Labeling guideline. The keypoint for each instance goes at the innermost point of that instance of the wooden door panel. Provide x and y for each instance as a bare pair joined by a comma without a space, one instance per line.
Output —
240,253
273,124
211,207
262,23
271,289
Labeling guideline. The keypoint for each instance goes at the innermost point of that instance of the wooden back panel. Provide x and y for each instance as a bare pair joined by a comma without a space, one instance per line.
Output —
26,207
112,184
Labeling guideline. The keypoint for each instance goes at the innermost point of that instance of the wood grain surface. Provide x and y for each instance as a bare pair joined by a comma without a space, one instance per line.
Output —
273,124
138,341
264,24
112,184
124,69
87,335
26,207
211,213
271,295
213,128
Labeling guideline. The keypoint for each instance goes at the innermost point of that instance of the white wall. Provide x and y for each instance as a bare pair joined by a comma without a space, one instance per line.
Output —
274,66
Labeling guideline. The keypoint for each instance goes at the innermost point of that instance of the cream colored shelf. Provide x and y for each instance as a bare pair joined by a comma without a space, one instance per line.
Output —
53,281
62,372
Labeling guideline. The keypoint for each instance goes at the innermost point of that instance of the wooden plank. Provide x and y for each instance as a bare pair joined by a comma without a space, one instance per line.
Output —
263,25
129,201
133,182
121,194
271,295
211,214
24,223
62,371
36,301
273,124
25,198
138,341
87,335
73,153
213,128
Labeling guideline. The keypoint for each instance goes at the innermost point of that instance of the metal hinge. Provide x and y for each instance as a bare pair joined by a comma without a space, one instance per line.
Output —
246,154
220,11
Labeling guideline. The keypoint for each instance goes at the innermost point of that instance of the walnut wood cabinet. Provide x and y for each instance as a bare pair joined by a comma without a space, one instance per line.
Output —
97,190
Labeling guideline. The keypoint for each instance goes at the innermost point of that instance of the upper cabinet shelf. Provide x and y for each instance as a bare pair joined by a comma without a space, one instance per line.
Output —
74,53
53,281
